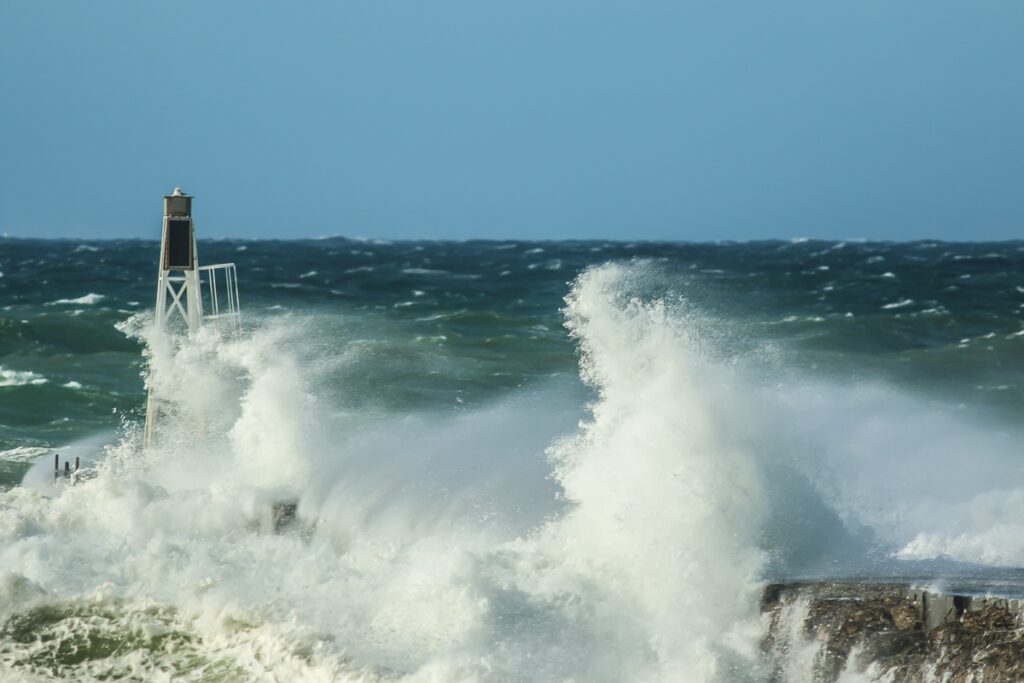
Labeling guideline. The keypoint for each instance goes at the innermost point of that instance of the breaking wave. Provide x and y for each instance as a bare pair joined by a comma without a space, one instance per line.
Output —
532,539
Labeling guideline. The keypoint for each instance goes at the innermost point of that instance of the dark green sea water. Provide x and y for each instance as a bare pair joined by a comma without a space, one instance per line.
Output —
469,320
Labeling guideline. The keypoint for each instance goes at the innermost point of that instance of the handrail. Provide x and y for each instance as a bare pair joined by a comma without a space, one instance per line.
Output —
229,292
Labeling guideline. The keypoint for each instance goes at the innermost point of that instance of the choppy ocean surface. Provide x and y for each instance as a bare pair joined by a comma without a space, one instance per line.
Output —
512,460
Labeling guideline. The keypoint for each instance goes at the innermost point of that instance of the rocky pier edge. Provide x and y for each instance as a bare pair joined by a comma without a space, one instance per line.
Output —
891,632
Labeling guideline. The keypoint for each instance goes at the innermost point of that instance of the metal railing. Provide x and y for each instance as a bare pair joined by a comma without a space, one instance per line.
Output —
220,296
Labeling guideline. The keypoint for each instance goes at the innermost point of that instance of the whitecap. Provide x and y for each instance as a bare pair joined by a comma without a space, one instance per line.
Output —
423,271
898,304
86,300
440,316
72,384
23,453
20,378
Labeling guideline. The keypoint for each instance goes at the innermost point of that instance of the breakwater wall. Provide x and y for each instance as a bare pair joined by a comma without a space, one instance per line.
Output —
824,632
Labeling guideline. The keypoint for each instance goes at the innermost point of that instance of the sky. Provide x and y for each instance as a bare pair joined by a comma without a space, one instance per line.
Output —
530,119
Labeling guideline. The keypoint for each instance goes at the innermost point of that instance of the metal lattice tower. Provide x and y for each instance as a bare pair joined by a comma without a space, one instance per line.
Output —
179,294
177,290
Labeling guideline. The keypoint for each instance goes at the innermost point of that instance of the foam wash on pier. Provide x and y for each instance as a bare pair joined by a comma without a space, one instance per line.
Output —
512,461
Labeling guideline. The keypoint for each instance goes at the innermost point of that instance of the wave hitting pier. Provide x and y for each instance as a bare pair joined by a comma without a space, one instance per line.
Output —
188,297
183,304
892,632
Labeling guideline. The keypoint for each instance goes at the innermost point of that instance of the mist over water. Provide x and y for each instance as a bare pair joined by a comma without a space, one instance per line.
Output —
548,481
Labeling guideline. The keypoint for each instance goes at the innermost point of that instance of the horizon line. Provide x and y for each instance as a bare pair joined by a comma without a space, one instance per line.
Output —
548,240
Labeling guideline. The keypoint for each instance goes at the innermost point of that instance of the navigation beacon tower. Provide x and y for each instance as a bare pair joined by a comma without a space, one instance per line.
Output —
182,302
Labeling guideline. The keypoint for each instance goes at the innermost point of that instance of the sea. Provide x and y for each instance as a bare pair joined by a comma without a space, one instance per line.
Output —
494,460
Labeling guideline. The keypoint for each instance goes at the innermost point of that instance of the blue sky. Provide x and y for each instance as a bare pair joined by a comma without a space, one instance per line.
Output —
528,119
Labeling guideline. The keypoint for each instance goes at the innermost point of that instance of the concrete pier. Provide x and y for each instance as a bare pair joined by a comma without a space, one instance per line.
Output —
893,632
